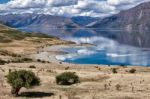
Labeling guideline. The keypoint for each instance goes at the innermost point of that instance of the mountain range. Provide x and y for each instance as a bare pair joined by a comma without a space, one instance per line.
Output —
32,20
38,20
134,19
137,18
133,24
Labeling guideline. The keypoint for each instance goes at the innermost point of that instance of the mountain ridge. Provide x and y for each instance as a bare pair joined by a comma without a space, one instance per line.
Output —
134,19
27,19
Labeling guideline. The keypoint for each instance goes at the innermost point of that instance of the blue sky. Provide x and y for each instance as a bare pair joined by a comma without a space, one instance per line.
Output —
94,8
3,1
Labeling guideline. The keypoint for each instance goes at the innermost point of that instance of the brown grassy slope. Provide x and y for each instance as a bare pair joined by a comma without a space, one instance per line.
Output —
19,42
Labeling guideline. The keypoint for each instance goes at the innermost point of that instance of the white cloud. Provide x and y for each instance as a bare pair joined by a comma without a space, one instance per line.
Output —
96,8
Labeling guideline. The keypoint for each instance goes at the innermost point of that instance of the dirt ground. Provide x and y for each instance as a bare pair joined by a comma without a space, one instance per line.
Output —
97,82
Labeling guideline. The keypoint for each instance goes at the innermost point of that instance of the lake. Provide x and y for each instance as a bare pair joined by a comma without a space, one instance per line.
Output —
110,47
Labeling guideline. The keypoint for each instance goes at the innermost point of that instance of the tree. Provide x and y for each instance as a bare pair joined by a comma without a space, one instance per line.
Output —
22,78
67,78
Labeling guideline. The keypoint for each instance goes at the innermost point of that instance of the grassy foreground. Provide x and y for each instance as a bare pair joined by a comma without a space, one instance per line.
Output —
95,82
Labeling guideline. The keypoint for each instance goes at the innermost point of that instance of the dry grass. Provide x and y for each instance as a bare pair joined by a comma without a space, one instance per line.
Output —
94,84
98,78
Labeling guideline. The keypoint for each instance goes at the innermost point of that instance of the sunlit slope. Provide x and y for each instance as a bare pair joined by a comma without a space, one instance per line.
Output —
8,34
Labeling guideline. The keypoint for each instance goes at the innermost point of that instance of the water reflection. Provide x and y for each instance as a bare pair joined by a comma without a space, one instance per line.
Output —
106,51
113,47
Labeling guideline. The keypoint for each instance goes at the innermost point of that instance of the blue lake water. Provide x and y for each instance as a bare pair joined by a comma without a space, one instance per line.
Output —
106,51
110,47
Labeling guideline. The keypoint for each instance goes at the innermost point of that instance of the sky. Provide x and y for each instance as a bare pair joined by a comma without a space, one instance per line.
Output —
4,1
93,8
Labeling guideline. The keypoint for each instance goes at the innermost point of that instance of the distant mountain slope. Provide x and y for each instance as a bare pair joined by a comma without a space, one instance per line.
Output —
137,18
83,20
131,27
36,20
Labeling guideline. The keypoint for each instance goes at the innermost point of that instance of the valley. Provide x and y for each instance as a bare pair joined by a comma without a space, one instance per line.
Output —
109,55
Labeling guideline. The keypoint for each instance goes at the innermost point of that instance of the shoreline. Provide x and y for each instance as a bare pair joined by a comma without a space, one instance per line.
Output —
56,50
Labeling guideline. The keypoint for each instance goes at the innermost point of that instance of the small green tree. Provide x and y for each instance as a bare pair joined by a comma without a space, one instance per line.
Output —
67,78
132,70
22,78
114,70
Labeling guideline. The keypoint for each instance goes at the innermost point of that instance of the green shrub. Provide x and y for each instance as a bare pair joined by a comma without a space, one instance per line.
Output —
32,66
67,78
132,71
21,60
114,70
38,60
118,87
67,68
26,60
43,61
22,78
2,62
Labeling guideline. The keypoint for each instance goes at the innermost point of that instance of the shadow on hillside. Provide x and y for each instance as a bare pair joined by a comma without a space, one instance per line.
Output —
35,94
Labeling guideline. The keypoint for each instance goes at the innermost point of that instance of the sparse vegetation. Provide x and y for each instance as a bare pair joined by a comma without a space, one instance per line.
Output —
105,86
114,70
98,78
26,60
8,35
21,60
32,66
43,61
67,78
51,71
38,60
67,68
132,70
22,78
118,87
2,62
7,53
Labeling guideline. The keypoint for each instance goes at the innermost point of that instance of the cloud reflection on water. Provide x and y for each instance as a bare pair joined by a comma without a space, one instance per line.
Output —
105,51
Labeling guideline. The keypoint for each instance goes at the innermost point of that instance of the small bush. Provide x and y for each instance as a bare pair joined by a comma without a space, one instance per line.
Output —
114,70
2,62
132,71
67,68
118,87
67,78
22,60
32,66
22,78
38,60
43,61
14,55
27,60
